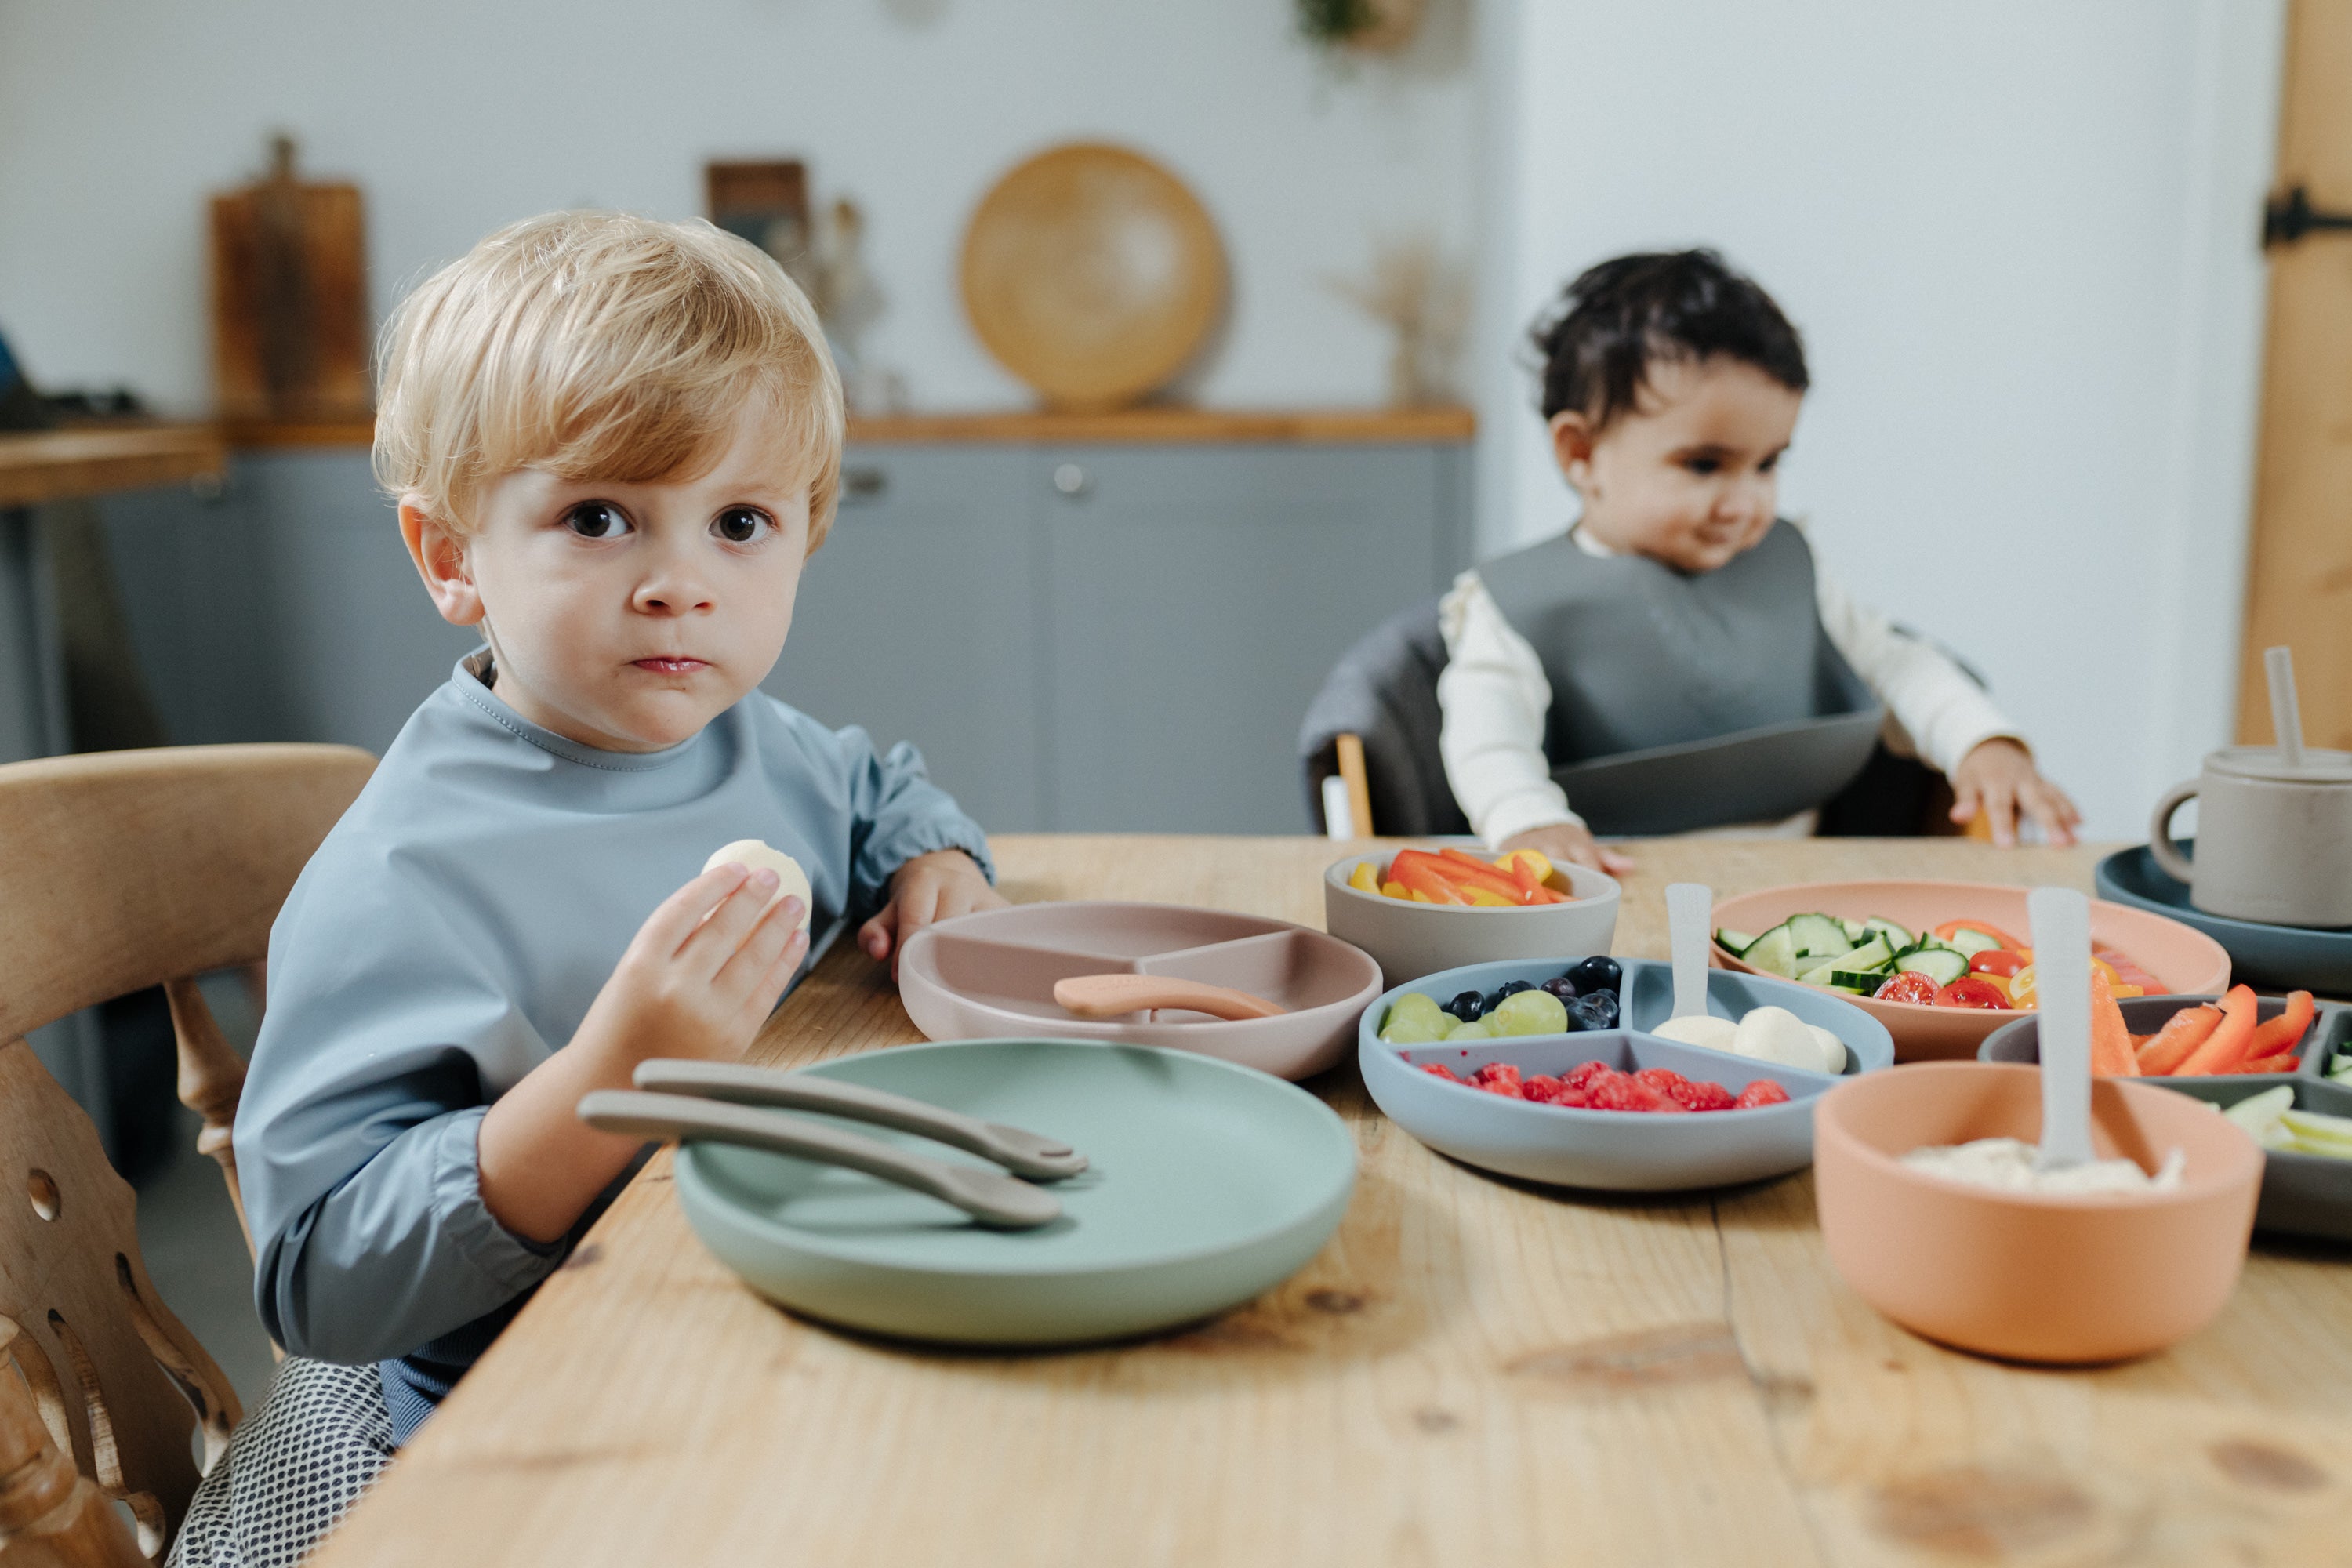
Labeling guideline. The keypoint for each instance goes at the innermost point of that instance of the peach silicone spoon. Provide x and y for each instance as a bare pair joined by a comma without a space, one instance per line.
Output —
1115,996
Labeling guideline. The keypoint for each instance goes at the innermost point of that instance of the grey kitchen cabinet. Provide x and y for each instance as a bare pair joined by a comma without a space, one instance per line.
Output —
1199,596
918,619
1083,634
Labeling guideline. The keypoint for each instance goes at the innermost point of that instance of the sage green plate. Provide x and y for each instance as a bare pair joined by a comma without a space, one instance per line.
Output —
1209,1185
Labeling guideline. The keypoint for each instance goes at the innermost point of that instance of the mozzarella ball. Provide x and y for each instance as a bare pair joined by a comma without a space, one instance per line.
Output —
756,854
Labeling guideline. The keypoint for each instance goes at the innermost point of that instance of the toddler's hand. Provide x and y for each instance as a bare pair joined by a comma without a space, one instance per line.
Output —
1999,778
705,970
934,886
1570,841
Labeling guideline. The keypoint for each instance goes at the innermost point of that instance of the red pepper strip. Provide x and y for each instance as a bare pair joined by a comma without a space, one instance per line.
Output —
1470,869
1417,877
2111,1047
2181,1034
2285,1032
2226,1045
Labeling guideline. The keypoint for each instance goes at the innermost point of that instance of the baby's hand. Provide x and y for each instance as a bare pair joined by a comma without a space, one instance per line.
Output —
705,970
1999,778
934,886
1570,841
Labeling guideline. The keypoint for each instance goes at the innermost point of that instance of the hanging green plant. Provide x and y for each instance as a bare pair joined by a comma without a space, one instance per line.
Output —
1370,25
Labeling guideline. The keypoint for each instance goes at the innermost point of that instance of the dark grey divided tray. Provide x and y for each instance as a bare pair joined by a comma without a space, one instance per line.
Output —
2303,1194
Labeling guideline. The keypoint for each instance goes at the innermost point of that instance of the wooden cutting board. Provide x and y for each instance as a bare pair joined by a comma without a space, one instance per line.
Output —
290,297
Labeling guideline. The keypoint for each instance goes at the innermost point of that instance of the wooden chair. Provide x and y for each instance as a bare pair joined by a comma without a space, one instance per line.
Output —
119,871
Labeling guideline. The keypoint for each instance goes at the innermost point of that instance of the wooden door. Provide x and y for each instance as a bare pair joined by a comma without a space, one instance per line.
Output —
2299,574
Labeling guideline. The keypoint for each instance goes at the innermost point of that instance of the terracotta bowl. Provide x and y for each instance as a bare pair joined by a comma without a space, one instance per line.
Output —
2030,1275
2188,962
1409,940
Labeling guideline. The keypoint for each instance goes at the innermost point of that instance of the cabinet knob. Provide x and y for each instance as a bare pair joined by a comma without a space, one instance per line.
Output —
1072,481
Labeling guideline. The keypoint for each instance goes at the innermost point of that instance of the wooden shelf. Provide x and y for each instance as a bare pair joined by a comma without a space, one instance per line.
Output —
41,466
1140,426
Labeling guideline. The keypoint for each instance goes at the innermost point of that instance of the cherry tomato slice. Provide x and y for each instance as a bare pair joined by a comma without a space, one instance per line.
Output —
1908,986
1998,960
1972,991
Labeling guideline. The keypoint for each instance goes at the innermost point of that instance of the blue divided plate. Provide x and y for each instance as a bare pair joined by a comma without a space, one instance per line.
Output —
2268,957
1616,1151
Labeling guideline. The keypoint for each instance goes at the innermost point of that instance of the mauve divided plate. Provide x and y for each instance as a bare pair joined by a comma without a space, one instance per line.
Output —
992,974
2280,957
1613,1150
2303,1194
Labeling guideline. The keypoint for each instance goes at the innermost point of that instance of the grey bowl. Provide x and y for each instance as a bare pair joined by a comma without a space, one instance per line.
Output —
2303,1194
1409,940
1614,1151
2279,957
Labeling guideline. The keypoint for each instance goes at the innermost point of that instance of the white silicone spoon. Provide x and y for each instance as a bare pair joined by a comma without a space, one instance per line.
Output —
1690,906
2286,714
2062,969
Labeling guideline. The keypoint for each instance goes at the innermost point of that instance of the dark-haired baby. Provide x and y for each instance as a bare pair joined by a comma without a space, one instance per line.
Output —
1677,609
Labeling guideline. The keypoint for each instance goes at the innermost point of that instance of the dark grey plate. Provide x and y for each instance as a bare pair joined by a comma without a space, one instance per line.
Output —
2303,1194
2274,957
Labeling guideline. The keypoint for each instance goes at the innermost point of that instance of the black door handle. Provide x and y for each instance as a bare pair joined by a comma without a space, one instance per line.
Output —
2289,218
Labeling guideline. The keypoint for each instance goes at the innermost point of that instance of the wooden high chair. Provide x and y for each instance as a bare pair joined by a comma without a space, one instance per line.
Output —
119,871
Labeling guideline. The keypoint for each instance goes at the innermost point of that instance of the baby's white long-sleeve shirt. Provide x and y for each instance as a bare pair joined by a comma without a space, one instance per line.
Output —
1494,700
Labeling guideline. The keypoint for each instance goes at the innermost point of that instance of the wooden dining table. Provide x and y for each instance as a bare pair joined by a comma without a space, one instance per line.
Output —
1475,1370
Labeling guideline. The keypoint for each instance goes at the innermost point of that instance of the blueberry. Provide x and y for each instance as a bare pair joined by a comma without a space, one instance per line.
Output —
1564,988
1470,1006
1508,988
1595,1010
1593,975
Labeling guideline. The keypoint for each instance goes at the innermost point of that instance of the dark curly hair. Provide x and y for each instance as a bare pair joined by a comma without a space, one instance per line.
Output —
1622,315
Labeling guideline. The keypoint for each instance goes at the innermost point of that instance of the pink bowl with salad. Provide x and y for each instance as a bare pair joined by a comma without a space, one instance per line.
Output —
1943,965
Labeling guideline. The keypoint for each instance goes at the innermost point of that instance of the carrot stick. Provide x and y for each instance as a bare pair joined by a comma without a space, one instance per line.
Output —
1471,871
2181,1034
2111,1047
2226,1045
2285,1031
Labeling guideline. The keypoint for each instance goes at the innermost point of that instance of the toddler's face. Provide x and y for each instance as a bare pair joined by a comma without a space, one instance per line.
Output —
626,616
1690,477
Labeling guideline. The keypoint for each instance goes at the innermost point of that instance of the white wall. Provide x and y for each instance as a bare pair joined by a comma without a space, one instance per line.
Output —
117,116
2019,239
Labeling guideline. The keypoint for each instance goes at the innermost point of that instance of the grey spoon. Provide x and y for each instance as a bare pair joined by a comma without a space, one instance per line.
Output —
994,1200
1023,1153
2062,969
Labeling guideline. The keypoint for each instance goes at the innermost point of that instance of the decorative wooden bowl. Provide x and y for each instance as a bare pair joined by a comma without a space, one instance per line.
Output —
1092,274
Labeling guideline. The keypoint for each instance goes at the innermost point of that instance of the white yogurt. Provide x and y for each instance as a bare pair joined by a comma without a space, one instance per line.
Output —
2006,1165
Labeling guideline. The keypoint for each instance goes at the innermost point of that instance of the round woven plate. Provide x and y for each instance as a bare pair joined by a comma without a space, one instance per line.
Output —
1092,274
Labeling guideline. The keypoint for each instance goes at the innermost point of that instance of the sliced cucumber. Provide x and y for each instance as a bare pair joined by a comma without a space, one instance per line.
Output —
1873,954
1853,929
1941,964
1971,942
1861,985
1898,939
1818,936
1774,952
1819,975
1735,942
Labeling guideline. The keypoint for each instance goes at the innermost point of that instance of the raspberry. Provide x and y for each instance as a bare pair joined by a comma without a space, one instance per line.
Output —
1508,1088
1701,1096
1439,1069
1666,1080
1494,1072
1763,1091
1619,1091
1583,1076
1543,1087
1572,1098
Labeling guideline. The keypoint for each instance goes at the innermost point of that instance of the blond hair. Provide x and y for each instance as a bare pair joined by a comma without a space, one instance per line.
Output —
599,346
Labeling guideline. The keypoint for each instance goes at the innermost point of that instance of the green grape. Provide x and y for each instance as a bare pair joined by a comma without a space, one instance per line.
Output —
1413,1004
1481,1030
1530,1012
1411,1029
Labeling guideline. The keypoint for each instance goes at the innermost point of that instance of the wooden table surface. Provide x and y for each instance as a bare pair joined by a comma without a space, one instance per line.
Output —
1475,1370
41,466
